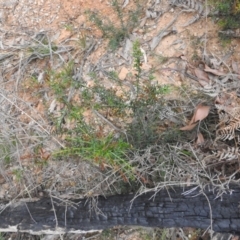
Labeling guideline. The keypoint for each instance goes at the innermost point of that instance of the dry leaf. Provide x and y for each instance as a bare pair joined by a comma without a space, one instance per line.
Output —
44,154
189,127
123,73
200,113
213,71
200,139
203,83
201,75
218,100
183,57
143,22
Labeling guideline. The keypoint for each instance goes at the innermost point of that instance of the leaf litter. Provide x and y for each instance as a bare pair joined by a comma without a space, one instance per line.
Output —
95,60
200,113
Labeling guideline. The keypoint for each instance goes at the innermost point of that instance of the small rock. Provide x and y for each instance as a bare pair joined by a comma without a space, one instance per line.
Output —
123,73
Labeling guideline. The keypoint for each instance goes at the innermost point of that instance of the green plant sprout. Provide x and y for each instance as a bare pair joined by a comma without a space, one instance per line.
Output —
116,33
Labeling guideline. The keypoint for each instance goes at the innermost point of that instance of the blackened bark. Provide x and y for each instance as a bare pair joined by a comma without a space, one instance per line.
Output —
167,208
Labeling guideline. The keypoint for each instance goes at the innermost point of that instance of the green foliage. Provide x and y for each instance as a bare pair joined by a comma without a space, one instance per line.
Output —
137,55
224,7
107,234
82,40
109,99
84,140
87,140
230,22
228,7
162,59
61,81
7,147
18,173
107,152
164,234
69,27
5,153
116,32
1,236
229,13
43,49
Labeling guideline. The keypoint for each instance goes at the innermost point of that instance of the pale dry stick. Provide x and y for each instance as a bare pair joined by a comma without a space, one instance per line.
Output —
71,93
206,30
223,61
94,236
20,139
190,191
19,71
65,217
50,50
224,186
211,178
2,208
210,212
108,122
110,184
18,155
231,177
54,210
35,55
29,212
155,40
46,131
57,52
28,193
158,188
93,206
182,234
91,191
199,161
28,105
14,199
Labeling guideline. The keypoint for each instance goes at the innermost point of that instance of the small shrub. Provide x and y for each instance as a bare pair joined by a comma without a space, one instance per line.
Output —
116,32
229,13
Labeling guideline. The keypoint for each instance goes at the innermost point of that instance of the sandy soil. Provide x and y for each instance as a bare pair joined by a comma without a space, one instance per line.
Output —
65,21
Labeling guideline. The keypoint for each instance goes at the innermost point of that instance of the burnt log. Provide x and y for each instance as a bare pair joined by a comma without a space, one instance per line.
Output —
166,208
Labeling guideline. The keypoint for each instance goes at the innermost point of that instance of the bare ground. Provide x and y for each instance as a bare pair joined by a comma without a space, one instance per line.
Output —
25,104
